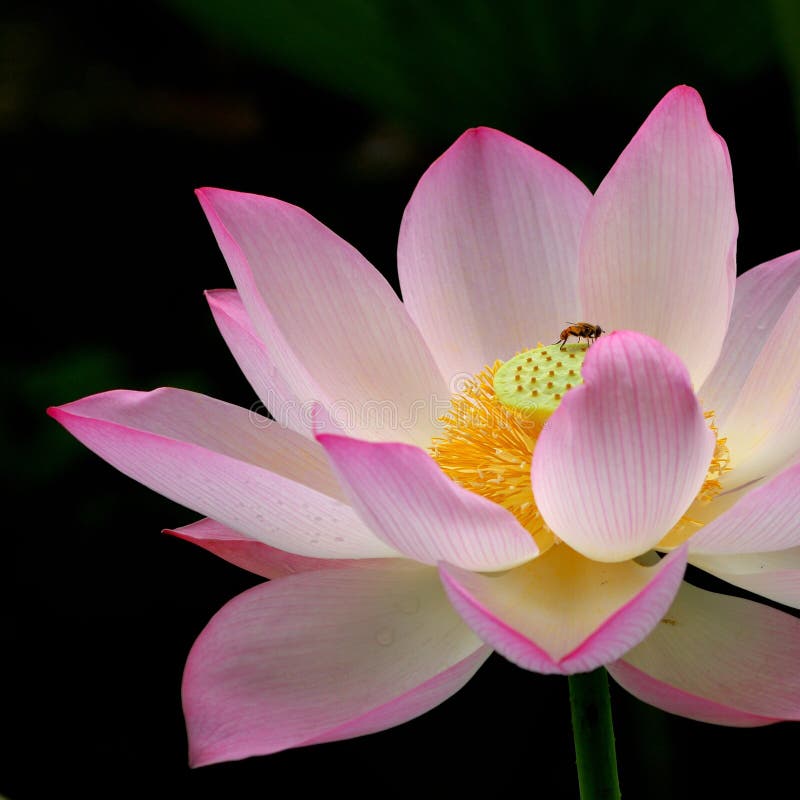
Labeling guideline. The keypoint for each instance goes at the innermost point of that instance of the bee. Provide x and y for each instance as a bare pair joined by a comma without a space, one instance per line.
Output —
582,330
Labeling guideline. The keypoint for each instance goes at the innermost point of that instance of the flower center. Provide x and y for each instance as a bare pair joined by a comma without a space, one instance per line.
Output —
491,429
493,424
533,382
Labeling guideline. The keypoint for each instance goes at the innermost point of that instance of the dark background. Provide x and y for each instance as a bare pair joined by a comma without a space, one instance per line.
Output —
110,115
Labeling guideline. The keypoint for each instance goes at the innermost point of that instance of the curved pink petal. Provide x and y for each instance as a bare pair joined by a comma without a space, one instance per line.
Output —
729,652
763,426
255,556
625,453
323,655
488,250
415,508
774,574
241,469
676,701
562,613
336,331
413,703
255,361
766,518
762,295
658,251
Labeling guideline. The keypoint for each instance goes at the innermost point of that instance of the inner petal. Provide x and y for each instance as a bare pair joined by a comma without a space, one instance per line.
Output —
490,432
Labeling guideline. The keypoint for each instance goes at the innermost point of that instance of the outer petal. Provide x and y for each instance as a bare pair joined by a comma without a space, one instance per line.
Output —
766,518
762,295
775,575
738,657
658,248
255,556
563,613
321,656
336,331
676,701
267,482
255,361
625,453
763,427
488,250
415,508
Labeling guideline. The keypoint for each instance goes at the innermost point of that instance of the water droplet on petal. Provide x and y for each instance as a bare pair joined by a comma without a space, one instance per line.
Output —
408,605
384,637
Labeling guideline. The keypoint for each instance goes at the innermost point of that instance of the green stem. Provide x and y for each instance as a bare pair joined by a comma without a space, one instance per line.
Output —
593,732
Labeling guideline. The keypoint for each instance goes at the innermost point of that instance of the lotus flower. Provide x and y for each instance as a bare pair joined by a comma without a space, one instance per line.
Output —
440,484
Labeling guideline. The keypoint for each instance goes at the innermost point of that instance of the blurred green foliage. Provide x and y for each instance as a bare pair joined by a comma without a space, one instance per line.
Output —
444,64
786,20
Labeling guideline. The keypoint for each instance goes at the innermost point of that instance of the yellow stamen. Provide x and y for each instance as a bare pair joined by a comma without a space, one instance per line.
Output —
487,448
687,525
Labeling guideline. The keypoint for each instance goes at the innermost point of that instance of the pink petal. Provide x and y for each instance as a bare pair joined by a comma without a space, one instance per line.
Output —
763,426
563,613
415,508
625,453
241,469
668,698
732,653
255,362
334,328
658,249
413,703
488,250
762,295
775,574
255,556
321,656
766,518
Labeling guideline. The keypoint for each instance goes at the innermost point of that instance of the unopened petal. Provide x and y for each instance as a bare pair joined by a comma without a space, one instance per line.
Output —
625,453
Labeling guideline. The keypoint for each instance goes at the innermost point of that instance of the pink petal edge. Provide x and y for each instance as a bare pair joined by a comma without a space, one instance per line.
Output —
675,701
255,556
255,361
269,483
323,655
621,631
410,504
766,518
731,652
